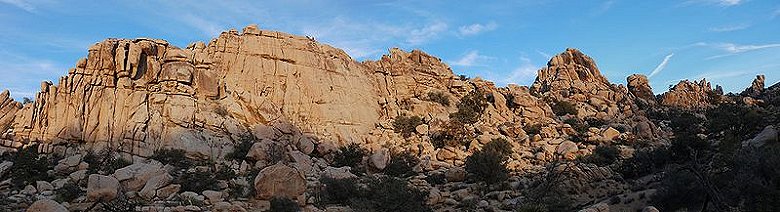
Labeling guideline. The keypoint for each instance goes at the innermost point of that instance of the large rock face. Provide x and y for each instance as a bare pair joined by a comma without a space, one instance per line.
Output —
141,95
756,88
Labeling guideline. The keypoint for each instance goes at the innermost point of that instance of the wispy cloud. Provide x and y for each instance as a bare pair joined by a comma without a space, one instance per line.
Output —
730,28
361,39
722,3
545,55
776,14
661,66
22,73
423,35
21,4
734,49
524,74
603,8
475,29
471,58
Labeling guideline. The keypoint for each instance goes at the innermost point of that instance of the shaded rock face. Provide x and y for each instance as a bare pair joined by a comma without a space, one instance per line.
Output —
690,95
756,88
639,86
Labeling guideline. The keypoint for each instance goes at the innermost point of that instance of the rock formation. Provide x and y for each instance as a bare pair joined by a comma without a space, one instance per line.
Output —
640,87
687,94
756,88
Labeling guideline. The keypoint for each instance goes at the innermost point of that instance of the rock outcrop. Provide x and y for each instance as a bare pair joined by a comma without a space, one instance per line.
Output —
639,86
690,95
756,88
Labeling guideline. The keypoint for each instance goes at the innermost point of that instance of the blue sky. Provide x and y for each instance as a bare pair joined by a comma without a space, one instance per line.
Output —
726,41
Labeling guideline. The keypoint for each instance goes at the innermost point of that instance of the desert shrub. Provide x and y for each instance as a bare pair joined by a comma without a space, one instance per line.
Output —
29,167
578,125
548,191
452,134
436,178
439,97
396,195
401,165
595,122
487,166
173,157
406,125
121,204
199,180
680,190
221,111
339,191
561,108
69,192
283,204
532,129
242,149
743,121
644,162
104,163
603,155
350,155
470,108
532,208
499,145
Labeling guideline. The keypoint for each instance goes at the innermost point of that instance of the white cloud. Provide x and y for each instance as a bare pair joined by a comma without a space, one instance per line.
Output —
21,4
475,29
729,28
661,66
729,2
22,74
423,35
735,48
524,74
605,6
776,13
472,58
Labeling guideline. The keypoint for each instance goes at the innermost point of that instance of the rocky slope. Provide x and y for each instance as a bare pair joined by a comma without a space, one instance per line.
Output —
302,99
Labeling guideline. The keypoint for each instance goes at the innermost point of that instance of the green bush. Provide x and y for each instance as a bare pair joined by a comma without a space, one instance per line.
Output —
104,163
199,180
406,125
603,155
561,108
350,155
29,167
173,157
339,191
487,166
69,192
436,179
439,97
401,165
242,149
470,108
396,195
533,129
644,162
499,145
283,204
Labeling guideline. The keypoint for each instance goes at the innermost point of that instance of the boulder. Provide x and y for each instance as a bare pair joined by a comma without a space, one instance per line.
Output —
135,176
768,135
279,181
46,205
455,174
380,158
102,188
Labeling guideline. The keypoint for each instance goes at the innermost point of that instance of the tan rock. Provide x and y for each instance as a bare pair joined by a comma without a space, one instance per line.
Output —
380,158
610,133
455,174
279,180
47,205
102,188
